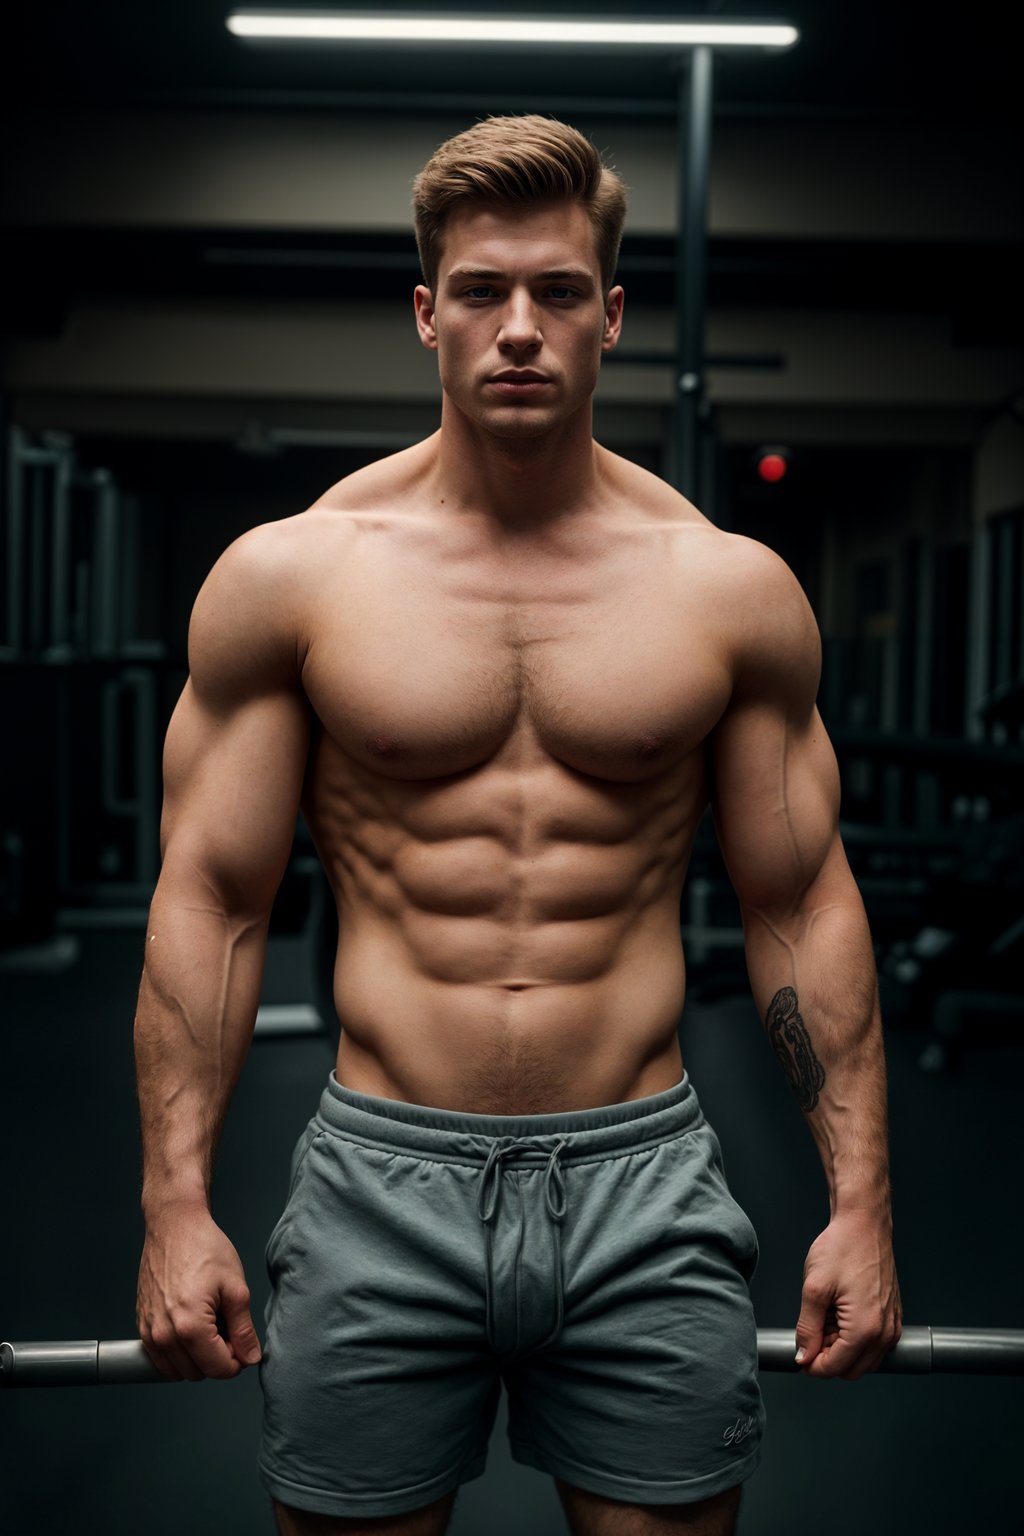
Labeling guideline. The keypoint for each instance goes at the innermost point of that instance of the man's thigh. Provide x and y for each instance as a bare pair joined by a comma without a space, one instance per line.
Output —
649,1394
379,1391
429,1521
591,1515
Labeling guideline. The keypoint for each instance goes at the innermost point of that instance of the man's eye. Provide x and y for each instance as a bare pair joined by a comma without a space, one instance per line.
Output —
481,291
560,292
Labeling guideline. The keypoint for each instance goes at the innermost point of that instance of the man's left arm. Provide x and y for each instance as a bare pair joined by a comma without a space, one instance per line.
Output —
810,961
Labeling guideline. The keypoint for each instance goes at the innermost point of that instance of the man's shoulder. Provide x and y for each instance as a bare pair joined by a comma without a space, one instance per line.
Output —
754,572
265,567
249,619
756,612
285,553
266,584
732,560
770,626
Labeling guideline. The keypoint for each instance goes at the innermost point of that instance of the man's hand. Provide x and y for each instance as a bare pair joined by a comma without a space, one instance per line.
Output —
193,1303
850,1315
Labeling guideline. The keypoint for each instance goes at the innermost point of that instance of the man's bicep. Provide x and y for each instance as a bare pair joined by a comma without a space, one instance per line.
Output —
232,785
236,748
775,800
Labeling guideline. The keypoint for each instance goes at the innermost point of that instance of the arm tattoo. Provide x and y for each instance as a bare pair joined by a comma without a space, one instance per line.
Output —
792,1045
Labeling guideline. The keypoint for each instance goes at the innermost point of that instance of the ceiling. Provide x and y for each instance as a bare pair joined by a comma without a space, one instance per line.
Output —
884,60
876,58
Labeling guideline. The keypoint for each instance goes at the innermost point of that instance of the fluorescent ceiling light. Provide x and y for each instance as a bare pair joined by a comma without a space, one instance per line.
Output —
529,30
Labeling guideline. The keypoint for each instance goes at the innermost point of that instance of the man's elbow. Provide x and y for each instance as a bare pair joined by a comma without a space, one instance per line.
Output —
794,889
232,892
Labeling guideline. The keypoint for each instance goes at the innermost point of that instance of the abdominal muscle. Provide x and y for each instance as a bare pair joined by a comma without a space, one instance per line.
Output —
507,1048
508,967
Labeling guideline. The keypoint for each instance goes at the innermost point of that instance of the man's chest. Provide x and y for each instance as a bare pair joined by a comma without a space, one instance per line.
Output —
420,669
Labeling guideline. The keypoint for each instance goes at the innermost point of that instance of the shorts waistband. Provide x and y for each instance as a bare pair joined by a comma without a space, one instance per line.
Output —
454,1136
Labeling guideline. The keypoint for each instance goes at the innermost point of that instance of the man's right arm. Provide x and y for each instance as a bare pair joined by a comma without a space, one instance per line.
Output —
234,762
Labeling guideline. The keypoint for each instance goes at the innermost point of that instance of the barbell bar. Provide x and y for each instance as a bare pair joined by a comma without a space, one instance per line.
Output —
921,1351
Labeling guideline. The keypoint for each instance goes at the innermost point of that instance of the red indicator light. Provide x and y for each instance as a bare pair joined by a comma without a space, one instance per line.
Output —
772,466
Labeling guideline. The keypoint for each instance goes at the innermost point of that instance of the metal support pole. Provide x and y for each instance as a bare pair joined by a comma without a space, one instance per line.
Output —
696,91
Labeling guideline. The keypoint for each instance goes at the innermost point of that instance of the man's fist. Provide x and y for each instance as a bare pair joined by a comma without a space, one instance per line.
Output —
850,1314
193,1303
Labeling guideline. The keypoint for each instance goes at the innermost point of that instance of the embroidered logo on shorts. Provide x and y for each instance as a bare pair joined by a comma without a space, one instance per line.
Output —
740,1430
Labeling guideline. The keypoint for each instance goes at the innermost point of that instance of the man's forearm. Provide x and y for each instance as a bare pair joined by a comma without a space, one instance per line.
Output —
813,975
197,1007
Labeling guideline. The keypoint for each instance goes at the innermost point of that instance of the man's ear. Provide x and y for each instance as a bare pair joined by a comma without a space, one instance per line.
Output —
423,300
612,319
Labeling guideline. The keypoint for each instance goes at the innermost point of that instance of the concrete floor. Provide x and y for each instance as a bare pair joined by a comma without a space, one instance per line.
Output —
887,1454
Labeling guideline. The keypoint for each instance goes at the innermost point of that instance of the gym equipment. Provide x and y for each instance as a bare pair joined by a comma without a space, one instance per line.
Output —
921,1351
87,687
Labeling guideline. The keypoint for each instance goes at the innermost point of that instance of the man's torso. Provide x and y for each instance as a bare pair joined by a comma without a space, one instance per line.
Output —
506,773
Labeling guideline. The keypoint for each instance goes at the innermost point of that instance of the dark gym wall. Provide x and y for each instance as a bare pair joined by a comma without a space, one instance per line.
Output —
872,534
201,496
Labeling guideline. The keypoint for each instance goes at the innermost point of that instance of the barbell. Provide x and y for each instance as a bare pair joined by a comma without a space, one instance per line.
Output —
921,1351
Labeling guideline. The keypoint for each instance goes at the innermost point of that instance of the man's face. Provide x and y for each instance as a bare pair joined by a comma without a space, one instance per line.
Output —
518,318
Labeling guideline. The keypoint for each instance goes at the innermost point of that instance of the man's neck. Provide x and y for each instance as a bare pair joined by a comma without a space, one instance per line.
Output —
517,481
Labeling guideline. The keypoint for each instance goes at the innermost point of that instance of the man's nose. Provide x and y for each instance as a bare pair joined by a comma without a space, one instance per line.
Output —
519,327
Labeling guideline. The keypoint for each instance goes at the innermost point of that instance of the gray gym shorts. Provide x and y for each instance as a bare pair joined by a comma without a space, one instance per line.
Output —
594,1261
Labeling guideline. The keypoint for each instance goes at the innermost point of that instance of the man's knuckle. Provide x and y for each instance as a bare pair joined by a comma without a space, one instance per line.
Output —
864,1337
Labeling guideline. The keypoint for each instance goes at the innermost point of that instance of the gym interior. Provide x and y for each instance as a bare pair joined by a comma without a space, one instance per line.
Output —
207,321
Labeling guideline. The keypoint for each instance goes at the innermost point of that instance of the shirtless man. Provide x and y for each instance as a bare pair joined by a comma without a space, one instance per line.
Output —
503,673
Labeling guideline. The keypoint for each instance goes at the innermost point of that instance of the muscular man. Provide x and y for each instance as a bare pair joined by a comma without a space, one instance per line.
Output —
503,673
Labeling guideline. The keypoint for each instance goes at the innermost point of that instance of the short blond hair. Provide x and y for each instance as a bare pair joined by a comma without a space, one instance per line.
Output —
516,161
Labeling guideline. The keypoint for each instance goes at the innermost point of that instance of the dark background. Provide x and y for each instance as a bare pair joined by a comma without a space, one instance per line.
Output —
902,516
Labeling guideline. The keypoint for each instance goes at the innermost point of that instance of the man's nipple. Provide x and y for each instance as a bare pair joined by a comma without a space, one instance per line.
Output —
649,745
384,746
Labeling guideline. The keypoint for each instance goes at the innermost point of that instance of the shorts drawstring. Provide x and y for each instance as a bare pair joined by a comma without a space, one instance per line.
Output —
490,1188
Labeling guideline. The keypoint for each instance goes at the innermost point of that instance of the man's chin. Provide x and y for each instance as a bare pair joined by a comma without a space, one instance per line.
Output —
518,421
519,431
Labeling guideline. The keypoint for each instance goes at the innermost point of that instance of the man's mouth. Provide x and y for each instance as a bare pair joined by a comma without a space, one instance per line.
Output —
519,381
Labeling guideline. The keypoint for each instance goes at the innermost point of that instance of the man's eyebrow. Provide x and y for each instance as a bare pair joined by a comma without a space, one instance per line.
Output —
574,274
559,274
